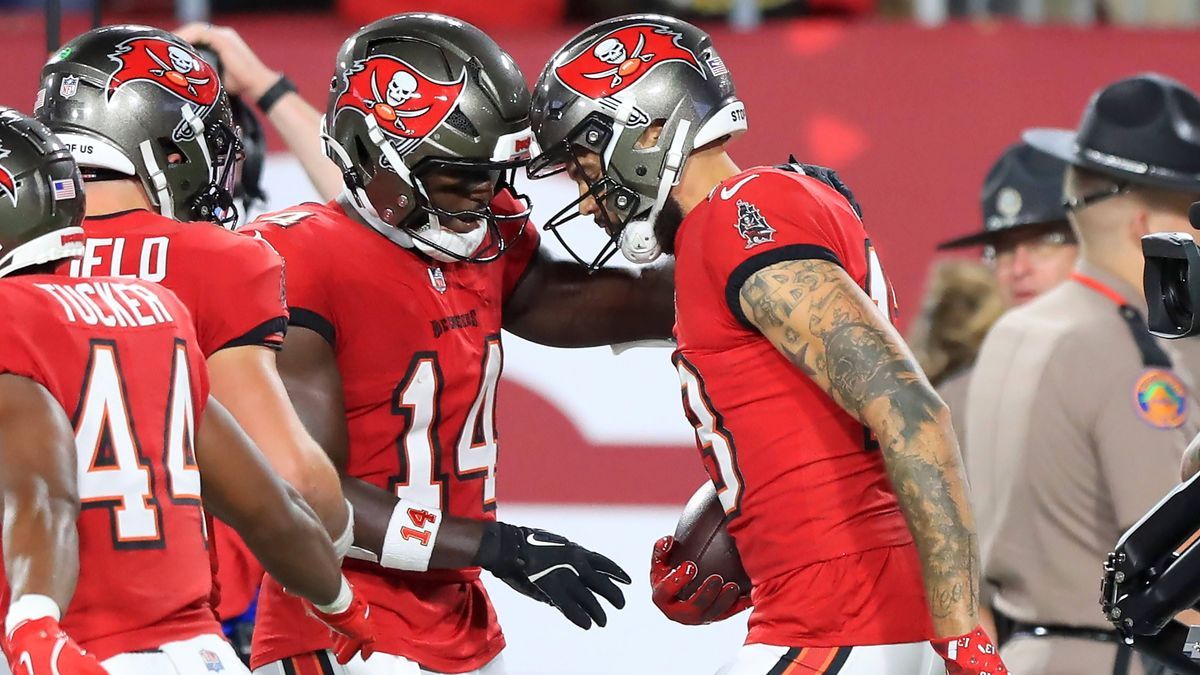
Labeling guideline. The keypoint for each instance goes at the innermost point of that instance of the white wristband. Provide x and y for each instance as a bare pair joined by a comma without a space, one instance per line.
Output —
408,543
411,533
29,607
345,540
341,603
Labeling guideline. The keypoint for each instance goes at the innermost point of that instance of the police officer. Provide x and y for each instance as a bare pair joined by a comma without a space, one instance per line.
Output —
1077,417
1026,240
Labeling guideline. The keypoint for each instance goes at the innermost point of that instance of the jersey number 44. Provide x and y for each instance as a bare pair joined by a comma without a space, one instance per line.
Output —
115,470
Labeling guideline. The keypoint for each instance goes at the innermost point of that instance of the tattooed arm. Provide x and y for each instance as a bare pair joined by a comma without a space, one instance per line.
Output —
1191,459
815,314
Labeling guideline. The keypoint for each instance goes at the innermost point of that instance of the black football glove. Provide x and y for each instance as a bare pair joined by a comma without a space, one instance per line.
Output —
553,570
827,176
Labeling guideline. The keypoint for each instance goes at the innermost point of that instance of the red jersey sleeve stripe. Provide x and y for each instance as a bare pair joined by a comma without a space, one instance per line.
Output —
748,267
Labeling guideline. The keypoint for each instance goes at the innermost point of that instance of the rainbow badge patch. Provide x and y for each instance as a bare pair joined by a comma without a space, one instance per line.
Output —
1160,399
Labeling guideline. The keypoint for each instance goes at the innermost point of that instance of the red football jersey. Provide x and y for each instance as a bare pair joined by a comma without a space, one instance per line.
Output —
806,490
417,343
233,287
231,284
120,357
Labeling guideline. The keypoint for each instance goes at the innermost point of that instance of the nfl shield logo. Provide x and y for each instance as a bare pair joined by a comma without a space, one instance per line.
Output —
212,662
68,87
438,279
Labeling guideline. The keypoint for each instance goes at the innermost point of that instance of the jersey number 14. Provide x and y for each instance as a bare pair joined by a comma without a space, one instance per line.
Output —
418,400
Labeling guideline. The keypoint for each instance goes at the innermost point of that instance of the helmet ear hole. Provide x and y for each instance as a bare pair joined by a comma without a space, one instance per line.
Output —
172,154
651,135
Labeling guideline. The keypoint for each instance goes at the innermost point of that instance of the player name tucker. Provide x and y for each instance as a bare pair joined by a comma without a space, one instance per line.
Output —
109,304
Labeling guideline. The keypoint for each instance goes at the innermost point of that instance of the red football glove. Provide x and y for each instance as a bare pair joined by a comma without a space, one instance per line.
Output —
970,654
40,647
352,630
714,600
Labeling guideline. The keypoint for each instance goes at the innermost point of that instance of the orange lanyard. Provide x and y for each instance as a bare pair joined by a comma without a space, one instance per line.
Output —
1100,287
1153,355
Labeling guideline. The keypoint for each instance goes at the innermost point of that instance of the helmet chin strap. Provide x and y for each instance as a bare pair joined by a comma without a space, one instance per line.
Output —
638,243
462,243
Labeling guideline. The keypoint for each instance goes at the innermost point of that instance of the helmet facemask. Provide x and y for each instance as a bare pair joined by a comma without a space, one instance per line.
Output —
397,202
627,208
222,151
616,203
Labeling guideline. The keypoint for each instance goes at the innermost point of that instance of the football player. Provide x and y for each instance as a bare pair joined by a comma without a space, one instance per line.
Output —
150,125
102,386
398,291
832,455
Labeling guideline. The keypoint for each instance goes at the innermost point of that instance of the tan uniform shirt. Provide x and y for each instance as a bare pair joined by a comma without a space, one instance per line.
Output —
1072,439
953,391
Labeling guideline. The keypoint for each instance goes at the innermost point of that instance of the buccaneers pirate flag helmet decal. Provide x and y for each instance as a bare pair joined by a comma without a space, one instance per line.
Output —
404,102
418,93
169,65
623,56
138,101
601,91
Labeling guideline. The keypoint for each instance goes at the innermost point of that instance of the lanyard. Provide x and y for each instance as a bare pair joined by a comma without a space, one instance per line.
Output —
1152,353
1101,288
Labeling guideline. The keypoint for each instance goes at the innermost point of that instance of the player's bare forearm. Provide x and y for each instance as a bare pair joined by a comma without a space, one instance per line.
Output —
818,318
558,303
457,542
38,488
245,380
308,368
299,124
241,489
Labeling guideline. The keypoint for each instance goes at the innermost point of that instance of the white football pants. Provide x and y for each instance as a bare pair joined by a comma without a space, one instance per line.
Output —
378,664
204,655
914,658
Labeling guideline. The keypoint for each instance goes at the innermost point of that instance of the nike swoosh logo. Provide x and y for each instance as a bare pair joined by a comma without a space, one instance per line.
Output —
728,192
563,566
533,540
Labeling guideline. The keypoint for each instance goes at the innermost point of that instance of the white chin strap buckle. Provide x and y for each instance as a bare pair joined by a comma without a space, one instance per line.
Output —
638,243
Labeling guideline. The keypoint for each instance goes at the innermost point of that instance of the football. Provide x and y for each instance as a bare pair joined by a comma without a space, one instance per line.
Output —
702,538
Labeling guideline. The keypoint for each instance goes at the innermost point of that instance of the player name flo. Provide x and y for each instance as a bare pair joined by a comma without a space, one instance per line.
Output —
109,304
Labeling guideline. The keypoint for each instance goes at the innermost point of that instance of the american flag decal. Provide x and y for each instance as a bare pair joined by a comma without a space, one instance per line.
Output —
63,189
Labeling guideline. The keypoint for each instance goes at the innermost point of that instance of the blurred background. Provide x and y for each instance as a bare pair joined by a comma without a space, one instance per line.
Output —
911,100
